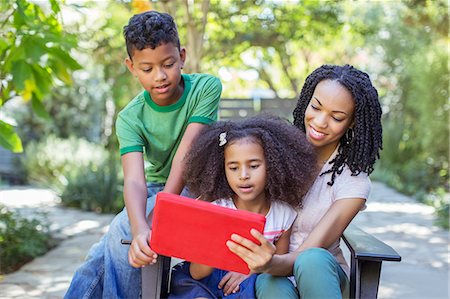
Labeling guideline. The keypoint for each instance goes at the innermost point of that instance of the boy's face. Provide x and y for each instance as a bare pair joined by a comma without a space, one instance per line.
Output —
159,71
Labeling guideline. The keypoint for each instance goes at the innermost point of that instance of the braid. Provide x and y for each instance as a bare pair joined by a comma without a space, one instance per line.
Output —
361,152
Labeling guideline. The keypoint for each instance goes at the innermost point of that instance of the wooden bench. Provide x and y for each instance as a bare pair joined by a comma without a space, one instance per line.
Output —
367,253
366,256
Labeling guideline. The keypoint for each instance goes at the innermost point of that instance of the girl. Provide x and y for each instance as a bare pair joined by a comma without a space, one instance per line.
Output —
339,111
263,165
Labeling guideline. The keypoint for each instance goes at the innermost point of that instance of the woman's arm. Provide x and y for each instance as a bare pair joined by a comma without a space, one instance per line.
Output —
282,244
333,223
175,183
199,271
135,194
329,229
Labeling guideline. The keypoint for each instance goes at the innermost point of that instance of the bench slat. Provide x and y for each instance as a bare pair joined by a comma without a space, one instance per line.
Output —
366,247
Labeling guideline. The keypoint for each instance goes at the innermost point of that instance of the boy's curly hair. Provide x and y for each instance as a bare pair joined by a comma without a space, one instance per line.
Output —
290,159
361,152
150,29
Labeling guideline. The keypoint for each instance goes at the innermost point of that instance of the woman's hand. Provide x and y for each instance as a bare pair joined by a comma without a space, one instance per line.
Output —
231,281
257,257
140,254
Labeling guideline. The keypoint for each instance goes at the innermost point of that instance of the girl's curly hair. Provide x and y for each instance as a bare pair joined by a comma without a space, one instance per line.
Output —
290,159
360,152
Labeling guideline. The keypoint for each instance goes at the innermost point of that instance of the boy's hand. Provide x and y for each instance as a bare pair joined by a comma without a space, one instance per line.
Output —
231,281
140,254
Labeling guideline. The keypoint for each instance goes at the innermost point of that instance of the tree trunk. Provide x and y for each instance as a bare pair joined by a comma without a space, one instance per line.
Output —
195,35
285,60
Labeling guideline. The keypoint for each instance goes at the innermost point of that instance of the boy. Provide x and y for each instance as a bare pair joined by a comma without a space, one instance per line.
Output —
164,120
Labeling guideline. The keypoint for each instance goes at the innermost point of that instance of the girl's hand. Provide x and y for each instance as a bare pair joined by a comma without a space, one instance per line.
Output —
231,281
257,257
140,253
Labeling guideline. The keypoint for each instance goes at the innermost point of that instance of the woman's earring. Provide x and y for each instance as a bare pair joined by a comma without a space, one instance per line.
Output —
349,135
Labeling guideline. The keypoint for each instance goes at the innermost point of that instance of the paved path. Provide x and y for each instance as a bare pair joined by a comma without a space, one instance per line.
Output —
396,219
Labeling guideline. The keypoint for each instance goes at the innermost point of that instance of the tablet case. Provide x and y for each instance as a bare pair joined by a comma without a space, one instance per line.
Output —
196,231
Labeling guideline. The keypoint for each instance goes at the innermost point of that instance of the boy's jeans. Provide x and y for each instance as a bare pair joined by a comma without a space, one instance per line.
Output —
106,272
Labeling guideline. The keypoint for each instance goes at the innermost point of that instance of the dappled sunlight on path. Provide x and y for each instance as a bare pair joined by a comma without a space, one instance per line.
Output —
407,226
396,219
49,276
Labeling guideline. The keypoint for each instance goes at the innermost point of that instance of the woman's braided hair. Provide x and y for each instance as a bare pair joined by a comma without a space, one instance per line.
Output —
290,159
360,152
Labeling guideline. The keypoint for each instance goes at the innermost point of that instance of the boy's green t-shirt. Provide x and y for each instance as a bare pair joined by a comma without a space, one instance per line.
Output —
144,126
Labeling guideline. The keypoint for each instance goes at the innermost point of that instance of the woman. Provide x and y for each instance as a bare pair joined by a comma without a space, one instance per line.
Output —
339,111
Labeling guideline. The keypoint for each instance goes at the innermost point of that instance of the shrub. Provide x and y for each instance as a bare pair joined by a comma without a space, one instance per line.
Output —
84,174
21,240
95,188
440,199
51,161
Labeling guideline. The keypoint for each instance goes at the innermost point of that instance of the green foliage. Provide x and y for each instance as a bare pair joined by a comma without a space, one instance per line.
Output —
83,173
440,199
21,240
9,138
278,40
95,188
34,57
78,111
414,88
50,162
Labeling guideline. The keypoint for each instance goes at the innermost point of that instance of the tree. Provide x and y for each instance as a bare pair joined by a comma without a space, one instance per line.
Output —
281,41
35,55
413,76
191,18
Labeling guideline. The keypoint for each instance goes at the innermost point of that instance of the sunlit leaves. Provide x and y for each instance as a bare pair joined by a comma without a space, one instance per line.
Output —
9,139
34,57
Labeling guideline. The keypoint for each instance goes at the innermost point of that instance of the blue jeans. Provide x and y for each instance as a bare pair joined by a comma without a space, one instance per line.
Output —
317,274
106,272
183,286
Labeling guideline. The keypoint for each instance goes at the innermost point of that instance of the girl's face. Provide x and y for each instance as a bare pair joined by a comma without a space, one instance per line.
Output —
245,169
328,116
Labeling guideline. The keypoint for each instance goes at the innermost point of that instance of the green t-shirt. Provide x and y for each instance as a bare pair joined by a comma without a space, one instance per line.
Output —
145,126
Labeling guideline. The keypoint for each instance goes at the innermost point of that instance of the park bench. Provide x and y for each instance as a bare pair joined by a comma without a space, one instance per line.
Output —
367,253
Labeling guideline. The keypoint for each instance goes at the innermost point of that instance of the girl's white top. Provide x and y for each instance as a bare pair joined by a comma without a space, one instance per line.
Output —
280,217
319,199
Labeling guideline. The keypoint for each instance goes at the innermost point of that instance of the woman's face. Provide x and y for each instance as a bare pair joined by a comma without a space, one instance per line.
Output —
328,116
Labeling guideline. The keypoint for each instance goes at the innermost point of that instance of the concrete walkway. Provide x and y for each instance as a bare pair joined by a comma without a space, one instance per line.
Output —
396,219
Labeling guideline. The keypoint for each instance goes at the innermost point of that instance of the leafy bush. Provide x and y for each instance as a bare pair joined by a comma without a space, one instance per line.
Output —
95,188
441,201
84,174
21,240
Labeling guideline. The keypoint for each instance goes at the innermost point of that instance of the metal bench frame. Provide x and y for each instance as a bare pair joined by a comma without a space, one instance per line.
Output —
367,253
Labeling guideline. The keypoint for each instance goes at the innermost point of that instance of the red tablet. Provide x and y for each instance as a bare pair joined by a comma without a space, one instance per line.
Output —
197,231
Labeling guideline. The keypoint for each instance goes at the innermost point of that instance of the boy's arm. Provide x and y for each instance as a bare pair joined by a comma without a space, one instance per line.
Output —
135,194
199,271
175,183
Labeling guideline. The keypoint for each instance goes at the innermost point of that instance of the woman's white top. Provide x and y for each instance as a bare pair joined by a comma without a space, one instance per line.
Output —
319,199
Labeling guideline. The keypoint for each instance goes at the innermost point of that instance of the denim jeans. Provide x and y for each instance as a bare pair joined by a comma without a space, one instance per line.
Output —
317,274
106,272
